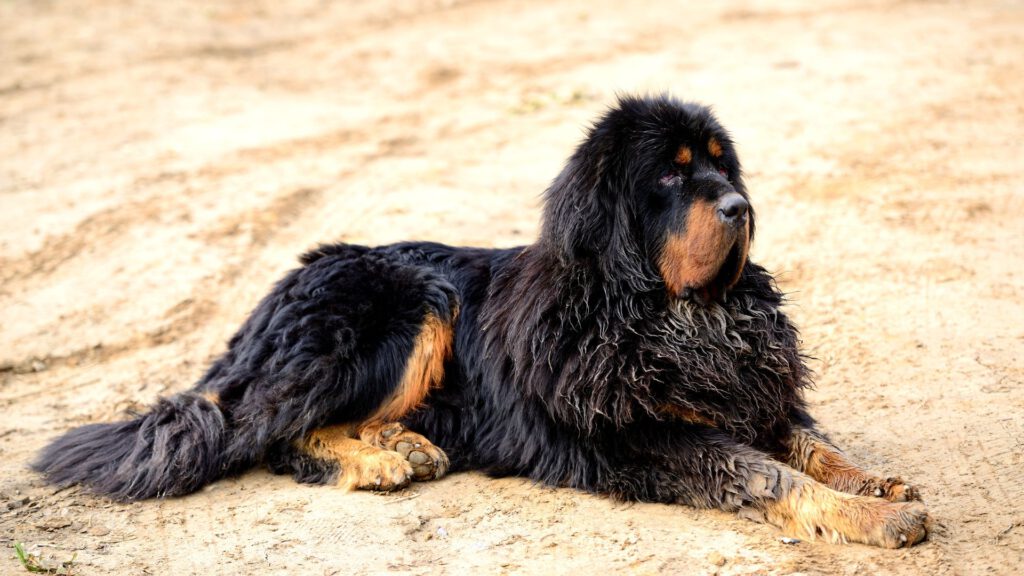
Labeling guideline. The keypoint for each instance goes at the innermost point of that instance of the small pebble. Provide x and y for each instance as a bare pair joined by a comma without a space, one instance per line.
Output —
716,558
788,540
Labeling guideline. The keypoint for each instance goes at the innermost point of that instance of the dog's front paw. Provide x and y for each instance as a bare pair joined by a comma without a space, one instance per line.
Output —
893,489
811,510
903,525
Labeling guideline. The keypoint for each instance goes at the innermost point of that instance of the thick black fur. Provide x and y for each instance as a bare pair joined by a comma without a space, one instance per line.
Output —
565,354
174,449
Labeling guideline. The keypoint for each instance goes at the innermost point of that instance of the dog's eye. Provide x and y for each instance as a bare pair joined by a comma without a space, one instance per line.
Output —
670,178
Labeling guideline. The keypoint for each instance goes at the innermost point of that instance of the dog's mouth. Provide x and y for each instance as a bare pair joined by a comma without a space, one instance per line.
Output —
707,261
728,274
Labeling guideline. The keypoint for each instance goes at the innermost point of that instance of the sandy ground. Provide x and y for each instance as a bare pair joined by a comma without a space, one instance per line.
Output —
161,164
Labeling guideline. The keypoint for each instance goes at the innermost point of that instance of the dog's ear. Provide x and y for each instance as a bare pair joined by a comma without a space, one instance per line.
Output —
579,206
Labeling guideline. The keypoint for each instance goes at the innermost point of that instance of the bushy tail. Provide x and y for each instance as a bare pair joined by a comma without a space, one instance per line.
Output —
176,448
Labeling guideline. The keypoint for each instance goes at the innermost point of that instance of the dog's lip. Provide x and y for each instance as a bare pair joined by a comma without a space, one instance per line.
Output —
715,286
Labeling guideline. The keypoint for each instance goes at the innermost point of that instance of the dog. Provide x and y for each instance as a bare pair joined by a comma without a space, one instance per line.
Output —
633,350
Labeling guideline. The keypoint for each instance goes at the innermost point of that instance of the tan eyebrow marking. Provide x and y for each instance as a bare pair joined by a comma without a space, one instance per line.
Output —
684,155
714,147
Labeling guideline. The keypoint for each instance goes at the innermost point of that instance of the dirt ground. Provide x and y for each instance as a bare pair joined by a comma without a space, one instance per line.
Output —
161,164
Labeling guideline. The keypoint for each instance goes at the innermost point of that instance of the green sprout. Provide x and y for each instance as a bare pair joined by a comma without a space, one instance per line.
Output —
34,564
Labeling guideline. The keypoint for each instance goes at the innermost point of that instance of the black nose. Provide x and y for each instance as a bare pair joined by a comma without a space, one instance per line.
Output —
732,208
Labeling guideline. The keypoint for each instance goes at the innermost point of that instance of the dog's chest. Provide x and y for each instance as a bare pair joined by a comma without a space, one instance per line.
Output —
720,358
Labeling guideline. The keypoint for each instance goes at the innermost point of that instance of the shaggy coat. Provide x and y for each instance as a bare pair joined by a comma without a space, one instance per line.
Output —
632,350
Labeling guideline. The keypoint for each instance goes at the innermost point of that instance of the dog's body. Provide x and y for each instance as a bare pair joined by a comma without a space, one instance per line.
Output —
633,350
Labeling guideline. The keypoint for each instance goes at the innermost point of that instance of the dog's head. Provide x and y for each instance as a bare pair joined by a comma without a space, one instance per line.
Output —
655,191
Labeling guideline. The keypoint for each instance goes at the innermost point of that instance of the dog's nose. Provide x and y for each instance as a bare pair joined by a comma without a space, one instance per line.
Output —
732,208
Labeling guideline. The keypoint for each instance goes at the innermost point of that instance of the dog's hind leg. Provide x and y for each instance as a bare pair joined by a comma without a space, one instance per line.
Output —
374,451
381,457
812,453
333,455
355,337
378,453
424,369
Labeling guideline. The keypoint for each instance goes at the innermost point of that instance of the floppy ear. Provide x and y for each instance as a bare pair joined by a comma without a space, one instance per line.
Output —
578,206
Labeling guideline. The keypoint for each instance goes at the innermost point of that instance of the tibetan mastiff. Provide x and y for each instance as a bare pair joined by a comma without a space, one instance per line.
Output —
633,350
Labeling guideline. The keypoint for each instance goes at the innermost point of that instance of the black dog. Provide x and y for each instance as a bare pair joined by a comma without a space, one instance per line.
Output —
633,350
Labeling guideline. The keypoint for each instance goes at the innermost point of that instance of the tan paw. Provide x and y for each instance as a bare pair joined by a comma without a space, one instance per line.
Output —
812,510
892,489
376,470
428,461
904,525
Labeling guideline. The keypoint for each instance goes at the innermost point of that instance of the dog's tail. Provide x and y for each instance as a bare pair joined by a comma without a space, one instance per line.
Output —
175,448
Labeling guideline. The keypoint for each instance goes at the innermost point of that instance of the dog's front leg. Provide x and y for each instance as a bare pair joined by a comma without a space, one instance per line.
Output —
812,453
705,468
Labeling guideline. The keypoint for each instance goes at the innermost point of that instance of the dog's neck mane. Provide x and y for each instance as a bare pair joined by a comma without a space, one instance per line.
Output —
561,341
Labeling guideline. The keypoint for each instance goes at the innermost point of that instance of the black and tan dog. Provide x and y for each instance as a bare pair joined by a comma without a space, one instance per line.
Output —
633,350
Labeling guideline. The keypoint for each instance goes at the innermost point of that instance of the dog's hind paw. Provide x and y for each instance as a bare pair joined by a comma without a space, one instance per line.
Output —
377,470
427,460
